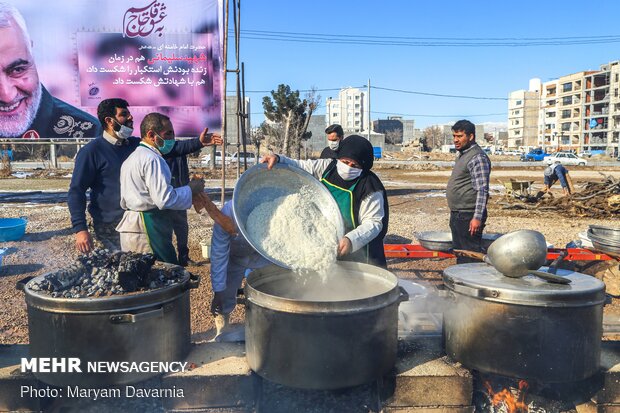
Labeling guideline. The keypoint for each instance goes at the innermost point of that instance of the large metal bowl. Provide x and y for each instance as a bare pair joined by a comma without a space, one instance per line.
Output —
442,240
258,185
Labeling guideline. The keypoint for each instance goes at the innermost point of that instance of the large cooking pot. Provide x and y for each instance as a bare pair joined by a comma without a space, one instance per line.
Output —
151,326
322,332
524,327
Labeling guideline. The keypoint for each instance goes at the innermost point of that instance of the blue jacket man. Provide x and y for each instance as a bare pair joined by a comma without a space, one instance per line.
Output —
554,173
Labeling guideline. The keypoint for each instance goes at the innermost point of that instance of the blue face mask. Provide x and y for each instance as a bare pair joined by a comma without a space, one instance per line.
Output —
167,147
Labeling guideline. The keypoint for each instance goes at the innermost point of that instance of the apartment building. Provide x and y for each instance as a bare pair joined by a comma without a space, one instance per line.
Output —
569,125
548,115
523,112
350,110
579,112
601,125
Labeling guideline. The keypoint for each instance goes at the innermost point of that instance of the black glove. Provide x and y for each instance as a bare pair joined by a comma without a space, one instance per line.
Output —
218,303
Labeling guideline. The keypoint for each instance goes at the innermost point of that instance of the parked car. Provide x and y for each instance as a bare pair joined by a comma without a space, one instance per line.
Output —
206,160
513,153
586,154
565,159
534,155
249,156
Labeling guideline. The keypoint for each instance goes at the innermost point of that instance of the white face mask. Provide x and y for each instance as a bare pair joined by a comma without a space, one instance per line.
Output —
124,132
333,145
346,172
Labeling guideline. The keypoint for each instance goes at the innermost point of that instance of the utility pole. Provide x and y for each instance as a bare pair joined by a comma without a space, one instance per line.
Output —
368,109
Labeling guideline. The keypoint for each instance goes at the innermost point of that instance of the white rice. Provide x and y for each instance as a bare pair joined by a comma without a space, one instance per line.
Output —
292,230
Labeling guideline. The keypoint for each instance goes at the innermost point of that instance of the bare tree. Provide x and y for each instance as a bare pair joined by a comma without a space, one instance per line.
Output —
434,136
394,136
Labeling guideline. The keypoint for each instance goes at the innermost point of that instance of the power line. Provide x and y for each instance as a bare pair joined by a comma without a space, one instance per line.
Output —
373,40
437,94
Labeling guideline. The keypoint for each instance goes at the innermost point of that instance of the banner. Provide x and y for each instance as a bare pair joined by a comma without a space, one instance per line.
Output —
159,55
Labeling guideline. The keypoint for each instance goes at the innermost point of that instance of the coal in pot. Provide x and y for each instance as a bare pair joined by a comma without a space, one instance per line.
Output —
322,332
524,327
149,326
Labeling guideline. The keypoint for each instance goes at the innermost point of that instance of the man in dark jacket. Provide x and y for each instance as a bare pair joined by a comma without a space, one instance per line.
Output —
97,167
180,177
468,190
335,134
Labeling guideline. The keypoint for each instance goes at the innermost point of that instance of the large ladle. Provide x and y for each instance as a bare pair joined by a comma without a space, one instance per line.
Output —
518,254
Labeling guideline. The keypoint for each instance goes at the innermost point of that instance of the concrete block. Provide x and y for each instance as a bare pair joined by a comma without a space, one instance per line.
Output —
12,380
425,376
610,366
221,379
276,398
465,409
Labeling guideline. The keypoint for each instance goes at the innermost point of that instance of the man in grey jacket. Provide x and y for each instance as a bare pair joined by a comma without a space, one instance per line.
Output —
468,190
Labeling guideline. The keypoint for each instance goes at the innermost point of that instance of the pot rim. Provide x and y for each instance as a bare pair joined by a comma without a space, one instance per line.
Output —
482,281
116,303
320,308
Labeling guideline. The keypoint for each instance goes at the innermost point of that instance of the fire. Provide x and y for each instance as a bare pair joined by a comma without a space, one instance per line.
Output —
505,396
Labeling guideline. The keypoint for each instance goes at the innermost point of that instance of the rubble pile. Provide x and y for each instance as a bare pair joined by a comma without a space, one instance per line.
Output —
102,273
595,200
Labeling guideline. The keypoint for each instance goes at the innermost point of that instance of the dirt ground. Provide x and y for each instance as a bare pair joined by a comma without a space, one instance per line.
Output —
417,203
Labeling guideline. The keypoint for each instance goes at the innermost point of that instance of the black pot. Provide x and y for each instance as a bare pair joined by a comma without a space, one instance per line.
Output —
302,331
152,326
524,327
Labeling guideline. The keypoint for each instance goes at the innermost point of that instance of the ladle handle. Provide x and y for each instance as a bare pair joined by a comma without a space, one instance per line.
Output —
470,254
552,278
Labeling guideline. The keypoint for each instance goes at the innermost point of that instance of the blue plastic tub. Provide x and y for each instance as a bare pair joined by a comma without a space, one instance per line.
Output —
12,229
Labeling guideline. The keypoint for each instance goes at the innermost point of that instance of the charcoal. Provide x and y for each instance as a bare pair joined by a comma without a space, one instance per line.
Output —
102,273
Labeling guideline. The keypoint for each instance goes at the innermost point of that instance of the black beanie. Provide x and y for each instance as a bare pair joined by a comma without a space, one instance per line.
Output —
359,149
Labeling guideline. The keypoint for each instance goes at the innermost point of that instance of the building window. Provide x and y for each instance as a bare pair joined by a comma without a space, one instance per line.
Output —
519,102
565,126
335,114
357,114
616,92
551,114
567,100
517,112
357,122
357,97
567,87
566,113
357,106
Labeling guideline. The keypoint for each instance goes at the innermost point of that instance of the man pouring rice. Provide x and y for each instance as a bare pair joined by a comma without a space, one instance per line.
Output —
359,193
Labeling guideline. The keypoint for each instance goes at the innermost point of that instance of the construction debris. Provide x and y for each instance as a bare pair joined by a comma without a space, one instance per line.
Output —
595,200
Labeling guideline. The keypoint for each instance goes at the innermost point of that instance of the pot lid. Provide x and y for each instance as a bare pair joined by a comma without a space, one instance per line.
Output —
482,281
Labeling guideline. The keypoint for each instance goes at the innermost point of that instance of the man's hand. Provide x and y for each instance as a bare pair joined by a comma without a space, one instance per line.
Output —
475,226
83,242
270,160
197,186
209,139
218,303
344,246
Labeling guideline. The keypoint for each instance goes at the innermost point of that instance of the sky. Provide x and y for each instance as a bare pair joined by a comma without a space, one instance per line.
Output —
309,44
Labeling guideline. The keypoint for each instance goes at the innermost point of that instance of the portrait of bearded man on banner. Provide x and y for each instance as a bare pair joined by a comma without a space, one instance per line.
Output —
27,109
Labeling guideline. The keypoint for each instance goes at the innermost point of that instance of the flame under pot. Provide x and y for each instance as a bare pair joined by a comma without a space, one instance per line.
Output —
322,332
524,327
151,326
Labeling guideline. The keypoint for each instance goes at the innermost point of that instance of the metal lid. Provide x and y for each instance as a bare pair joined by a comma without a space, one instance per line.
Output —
482,281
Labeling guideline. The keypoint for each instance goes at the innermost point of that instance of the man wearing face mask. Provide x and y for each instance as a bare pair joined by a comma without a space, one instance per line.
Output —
147,195
97,167
335,135
360,196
